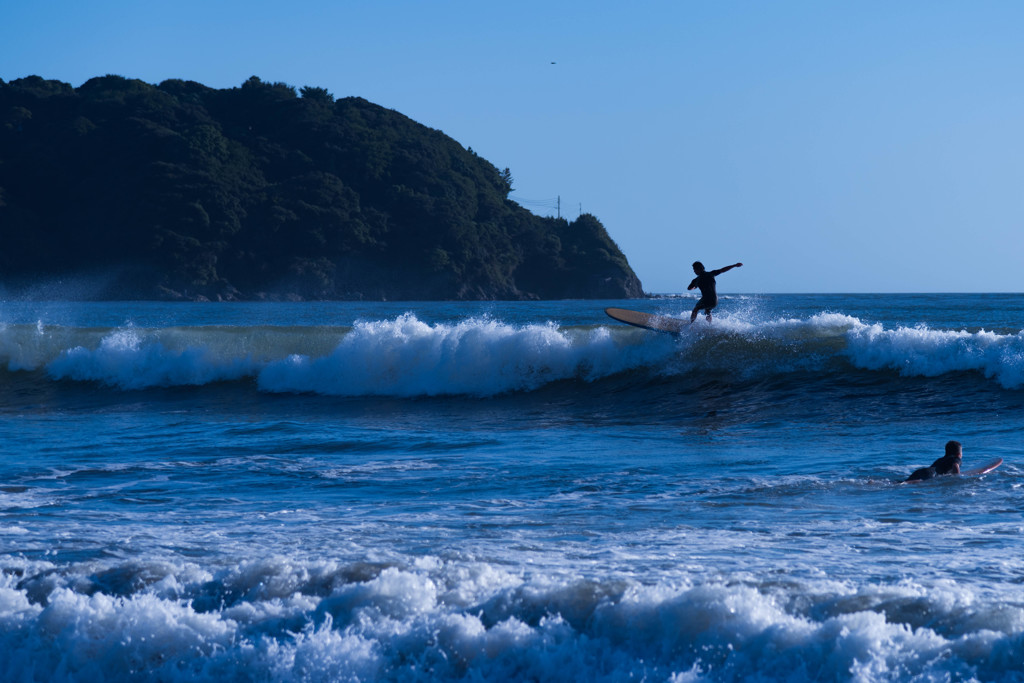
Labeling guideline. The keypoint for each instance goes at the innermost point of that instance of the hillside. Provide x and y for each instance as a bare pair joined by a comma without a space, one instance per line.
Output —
180,191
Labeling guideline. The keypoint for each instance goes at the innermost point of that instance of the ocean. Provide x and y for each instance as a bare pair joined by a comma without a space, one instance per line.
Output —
511,491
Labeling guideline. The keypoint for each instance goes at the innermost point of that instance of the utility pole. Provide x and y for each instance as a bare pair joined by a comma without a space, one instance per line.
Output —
559,206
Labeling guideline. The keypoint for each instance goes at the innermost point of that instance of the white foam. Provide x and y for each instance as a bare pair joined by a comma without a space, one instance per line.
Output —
483,357
397,623
407,357
920,351
129,359
910,351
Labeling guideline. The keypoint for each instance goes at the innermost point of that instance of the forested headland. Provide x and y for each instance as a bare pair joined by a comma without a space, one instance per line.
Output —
181,191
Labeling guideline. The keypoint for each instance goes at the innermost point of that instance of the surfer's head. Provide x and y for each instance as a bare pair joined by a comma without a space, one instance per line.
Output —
698,267
950,462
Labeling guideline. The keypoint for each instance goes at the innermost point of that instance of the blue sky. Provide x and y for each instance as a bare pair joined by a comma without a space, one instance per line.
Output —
831,146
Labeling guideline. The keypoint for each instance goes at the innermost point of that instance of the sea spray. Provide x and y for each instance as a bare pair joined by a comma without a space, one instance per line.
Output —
482,356
922,352
454,620
129,360
407,357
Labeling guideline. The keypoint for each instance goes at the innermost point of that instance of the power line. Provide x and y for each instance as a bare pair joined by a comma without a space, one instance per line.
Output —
546,203
553,204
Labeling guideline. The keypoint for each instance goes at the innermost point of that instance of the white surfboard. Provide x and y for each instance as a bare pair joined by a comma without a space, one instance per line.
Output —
984,469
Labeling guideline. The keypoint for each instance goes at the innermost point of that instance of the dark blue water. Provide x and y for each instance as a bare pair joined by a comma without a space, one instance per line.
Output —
495,491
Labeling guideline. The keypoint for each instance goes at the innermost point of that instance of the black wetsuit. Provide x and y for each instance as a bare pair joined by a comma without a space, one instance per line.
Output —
705,282
947,464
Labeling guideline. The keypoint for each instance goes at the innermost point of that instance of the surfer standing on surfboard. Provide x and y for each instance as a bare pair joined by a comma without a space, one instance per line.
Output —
947,464
705,282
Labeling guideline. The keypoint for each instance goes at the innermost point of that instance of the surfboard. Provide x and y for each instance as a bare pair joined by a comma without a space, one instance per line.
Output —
658,323
984,469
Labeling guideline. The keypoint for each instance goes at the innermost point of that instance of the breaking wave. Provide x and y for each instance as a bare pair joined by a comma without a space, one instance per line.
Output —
405,356
285,620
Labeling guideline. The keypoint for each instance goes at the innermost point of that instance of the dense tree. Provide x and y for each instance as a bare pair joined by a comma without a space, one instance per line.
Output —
263,191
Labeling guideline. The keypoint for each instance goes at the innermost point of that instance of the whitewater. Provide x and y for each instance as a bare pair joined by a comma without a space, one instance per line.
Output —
510,491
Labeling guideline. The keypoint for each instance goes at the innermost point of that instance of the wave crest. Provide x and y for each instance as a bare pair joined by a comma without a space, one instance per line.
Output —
922,352
406,356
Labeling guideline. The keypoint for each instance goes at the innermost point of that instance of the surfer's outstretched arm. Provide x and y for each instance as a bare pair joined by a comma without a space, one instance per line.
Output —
722,270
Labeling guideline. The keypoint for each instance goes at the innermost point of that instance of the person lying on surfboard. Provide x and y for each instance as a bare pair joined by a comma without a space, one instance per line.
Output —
705,282
947,464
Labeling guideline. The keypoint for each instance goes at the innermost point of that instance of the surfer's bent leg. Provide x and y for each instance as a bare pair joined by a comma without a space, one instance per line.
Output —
705,305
